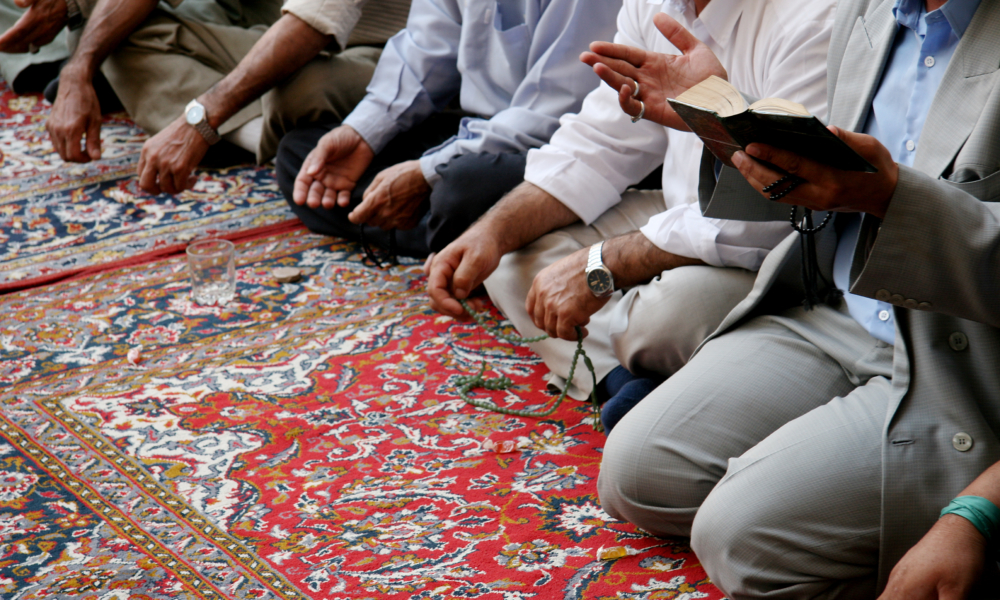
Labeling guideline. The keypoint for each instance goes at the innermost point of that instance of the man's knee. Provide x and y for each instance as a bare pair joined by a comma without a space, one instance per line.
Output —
670,316
722,530
470,184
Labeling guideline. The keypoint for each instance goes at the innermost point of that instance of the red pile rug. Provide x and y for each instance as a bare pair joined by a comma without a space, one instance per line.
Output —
303,441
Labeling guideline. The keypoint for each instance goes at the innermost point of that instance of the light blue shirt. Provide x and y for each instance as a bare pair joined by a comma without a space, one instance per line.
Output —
513,62
924,45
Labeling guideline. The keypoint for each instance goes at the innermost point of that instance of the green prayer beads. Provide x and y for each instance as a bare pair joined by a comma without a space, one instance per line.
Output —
467,383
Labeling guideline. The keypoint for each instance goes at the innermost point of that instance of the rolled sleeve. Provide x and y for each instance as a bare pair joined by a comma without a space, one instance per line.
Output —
329,17
563,176
682,230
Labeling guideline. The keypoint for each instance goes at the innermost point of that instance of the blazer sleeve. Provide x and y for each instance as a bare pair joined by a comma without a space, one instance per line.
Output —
938,248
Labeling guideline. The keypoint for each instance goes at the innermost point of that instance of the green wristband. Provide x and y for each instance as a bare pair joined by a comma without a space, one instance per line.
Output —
983,514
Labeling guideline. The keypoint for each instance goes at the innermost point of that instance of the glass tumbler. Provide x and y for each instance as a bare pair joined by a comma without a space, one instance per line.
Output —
212,264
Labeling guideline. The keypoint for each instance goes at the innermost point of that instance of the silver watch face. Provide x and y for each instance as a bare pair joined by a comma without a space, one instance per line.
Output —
599,281
195,114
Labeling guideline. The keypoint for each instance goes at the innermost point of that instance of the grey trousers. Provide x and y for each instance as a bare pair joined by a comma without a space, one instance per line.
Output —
774,429
652,328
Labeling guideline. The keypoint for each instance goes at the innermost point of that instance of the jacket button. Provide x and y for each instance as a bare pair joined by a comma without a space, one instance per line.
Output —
883,295
910,303
925,306
962,441
958,341
896,298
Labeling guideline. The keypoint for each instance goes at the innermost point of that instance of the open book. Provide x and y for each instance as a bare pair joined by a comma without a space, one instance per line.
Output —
719,115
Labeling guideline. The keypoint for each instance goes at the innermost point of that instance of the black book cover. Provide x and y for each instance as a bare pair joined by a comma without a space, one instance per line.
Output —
805,136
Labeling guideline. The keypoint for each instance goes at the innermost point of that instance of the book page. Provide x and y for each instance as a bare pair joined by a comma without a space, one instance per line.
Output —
779,106
717,95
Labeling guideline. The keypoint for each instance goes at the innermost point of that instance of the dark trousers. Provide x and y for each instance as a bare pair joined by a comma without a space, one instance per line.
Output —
469,186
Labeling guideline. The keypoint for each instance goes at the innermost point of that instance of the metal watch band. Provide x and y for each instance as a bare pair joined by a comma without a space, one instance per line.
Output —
594,258
211,135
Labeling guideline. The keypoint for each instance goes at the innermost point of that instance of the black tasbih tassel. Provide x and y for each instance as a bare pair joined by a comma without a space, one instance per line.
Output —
817,289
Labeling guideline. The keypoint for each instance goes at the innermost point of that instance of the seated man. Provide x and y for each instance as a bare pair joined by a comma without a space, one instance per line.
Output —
403,160
158,60
806,452
682,295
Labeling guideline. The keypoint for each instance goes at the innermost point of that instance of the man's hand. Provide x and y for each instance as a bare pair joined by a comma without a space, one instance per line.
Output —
660,76
38,26
332,169
75,114
826,188
393,198
460,268
169,157
944,565
559,299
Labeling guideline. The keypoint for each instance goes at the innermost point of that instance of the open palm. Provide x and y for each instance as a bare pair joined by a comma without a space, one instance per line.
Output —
332,169
660,76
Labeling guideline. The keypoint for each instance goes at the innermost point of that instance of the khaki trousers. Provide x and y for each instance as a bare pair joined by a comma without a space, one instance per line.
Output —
176,55
653,328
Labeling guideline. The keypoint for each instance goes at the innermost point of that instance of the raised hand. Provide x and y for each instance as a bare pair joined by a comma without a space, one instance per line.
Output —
825,188
169,157
332,169
559,299
76,114
660,76
393,198
38,26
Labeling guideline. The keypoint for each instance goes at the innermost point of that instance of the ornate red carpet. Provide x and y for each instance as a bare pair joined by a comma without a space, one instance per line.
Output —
304,441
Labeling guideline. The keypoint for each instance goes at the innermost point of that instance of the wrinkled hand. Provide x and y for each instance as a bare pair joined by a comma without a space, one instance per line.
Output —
169,157
826,188
393,198
75,114
944,565
660,76
332,169
559,299
460,268
38,26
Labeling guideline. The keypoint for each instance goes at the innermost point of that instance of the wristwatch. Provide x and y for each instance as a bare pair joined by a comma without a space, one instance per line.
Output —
74,17
197,117
599,278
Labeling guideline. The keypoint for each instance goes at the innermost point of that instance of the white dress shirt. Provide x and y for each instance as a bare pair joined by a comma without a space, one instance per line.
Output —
770,48
513,62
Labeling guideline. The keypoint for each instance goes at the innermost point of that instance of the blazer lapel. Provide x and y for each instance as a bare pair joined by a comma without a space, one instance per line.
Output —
966,85
861,68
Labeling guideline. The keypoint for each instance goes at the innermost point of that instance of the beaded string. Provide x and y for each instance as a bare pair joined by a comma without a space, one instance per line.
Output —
467,383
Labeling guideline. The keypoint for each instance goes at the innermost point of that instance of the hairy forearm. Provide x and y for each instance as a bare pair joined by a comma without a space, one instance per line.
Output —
109,24
288,45
525,214
634,260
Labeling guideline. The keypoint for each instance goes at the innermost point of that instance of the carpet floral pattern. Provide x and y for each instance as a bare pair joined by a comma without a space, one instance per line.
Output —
57,217
303,441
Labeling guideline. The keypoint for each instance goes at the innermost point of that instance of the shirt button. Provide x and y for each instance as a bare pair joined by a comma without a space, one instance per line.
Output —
910,145
883,315
929,61
962,441
958,341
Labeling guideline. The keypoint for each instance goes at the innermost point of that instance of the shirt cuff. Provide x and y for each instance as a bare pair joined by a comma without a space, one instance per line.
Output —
336,18
679,231
428,165
582,189
373,124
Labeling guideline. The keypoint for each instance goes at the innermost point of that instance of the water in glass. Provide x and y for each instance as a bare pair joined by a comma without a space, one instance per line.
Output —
213,271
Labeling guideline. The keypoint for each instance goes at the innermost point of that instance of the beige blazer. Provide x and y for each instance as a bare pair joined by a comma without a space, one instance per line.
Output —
935,256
